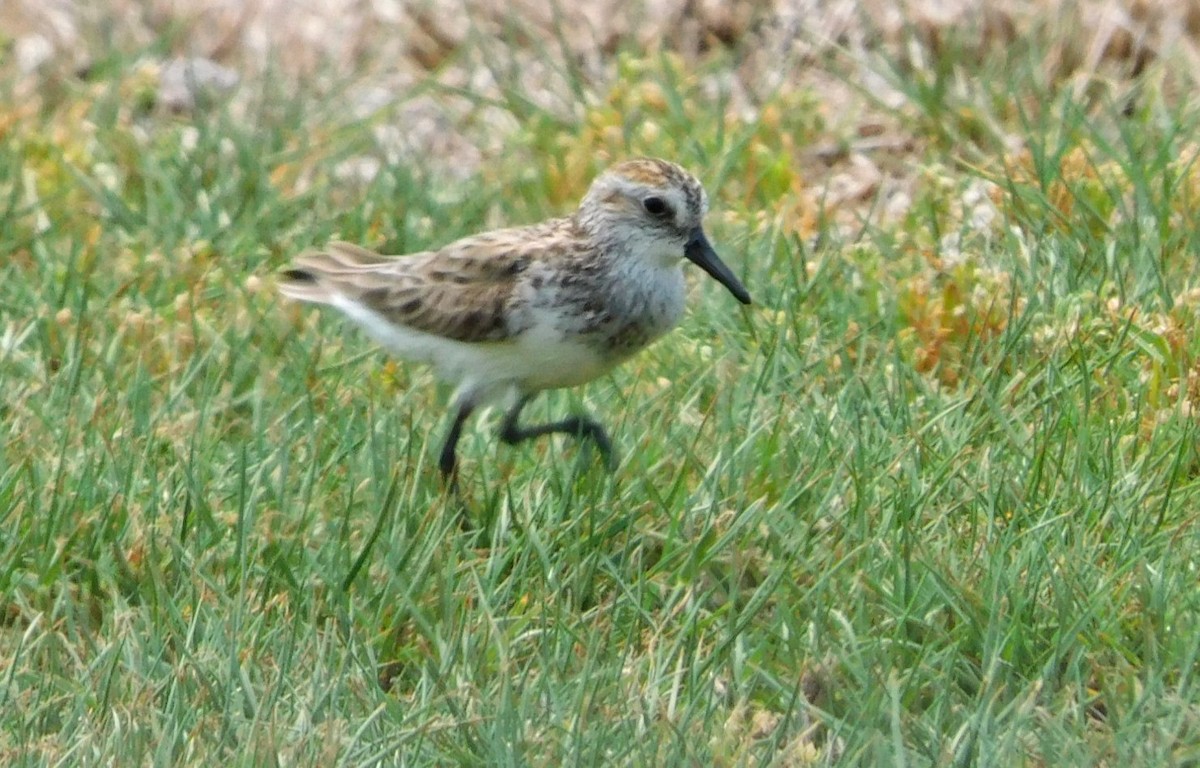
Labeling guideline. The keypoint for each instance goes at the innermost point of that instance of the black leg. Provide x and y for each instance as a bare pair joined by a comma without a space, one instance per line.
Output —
449,458
577,426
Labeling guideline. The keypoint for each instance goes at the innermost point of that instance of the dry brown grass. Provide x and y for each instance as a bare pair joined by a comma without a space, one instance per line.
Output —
386,47
560,57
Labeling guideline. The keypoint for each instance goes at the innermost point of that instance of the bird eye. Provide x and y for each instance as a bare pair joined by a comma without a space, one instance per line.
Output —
656,206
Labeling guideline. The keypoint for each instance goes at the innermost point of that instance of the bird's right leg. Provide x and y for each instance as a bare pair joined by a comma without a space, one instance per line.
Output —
448,459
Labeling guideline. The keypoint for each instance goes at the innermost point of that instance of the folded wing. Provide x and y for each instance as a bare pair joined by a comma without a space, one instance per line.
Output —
461,292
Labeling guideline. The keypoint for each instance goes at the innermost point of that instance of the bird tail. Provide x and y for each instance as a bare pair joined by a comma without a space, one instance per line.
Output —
313,276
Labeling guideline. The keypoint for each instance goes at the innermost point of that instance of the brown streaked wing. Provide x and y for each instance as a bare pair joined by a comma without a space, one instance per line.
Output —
340,260
342,268
460,292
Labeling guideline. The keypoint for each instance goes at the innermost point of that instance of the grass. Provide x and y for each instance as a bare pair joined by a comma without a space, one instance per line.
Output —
930,501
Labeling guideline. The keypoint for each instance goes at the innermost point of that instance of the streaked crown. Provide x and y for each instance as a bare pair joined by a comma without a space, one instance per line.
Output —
648,193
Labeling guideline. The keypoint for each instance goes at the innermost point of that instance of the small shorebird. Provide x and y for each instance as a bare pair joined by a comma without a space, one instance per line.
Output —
509,313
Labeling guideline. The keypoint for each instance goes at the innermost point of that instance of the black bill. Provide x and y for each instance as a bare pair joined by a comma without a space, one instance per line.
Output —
700,252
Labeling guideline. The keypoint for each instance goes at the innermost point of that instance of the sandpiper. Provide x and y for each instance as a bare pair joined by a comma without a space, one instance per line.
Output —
509,313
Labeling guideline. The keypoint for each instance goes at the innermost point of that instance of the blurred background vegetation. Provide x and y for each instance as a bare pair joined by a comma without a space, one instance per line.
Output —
931,501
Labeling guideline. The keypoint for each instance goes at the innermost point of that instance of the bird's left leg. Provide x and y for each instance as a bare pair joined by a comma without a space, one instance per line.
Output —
576,426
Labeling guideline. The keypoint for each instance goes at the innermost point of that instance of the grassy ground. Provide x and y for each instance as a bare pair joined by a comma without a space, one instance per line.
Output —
930,501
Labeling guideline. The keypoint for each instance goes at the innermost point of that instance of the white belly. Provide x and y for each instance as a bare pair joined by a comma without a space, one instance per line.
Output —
541,358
